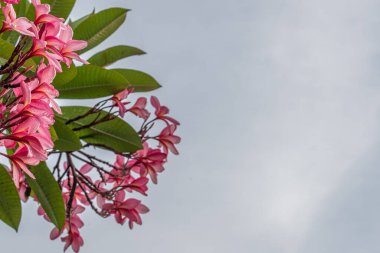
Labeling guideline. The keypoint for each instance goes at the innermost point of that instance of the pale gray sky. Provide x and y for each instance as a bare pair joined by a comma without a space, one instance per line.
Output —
279,103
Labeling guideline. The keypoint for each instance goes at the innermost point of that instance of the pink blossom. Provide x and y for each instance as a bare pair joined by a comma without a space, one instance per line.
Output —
118,101
148,161
19,160
21,25
139,108
59,39
138,185
11,1
162,111
42,13
168,140
22,191
124,210
39,49
72,225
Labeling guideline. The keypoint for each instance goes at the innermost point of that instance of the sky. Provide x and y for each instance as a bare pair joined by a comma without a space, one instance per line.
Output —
279,104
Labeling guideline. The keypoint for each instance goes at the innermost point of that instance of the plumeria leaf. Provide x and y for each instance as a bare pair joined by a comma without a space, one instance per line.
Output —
114,54
140,81
22,8
74,24
67,140
92,82
53,134
67,75
11,37
48,193
60,8
95,82
98,27
115,134
10,205
10,151
6,50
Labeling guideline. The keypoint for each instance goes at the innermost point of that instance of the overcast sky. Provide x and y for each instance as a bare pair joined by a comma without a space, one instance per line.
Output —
279,104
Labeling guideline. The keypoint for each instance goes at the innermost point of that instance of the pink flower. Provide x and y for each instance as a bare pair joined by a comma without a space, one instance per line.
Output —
59,38
139,110
72,225
39,49
148,161
55,39
74,240
35,143
168,140
11,1
78,193
138,185
22,191
124,210
70,45
162,111
42,13
21,25
19,160
45,89
118,101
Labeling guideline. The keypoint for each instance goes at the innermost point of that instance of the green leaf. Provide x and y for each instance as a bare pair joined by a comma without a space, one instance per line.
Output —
10,151
10,205
95,82
92,82
140,81
48,193
22,8
11,37
53,134
6,50
98,27
115,134
74,24
114,54
60,8
67,75
67,140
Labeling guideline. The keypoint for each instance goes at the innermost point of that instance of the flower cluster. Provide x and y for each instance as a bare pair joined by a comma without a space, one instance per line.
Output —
27,111
107,187
52,38
27,95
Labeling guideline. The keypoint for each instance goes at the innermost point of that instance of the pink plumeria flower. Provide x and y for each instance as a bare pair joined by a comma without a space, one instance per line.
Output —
168,140
138,185
11,1
162,111
148,161
70,45
39,49
45,89
59,38
73,237
42,13
117,100
124,210
139,108
21,25
19,160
